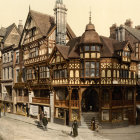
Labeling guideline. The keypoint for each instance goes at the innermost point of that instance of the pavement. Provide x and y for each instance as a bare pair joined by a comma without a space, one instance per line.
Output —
24,128
16,127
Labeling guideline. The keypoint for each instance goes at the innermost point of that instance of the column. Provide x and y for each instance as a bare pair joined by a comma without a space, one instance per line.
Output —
52,105
70,111
14,100
79,91
100,105
110,104
134,106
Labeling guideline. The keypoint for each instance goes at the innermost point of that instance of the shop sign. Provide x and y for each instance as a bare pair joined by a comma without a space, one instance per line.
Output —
47,111
34,110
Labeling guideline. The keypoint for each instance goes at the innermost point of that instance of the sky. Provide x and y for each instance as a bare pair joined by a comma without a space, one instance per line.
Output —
104,12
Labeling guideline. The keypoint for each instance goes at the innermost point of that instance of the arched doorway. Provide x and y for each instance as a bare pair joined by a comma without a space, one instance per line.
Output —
90,101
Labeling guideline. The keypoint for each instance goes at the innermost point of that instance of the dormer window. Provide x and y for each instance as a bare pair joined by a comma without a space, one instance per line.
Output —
90,51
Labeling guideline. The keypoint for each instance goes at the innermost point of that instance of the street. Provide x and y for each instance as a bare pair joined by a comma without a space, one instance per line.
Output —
15,127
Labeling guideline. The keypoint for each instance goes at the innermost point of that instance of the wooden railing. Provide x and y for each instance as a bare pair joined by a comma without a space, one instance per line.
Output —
42,100
74,103
22,99
62,103
8,98
35,60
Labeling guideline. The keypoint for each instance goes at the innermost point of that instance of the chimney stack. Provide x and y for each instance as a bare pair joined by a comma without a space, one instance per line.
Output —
113,31
20,26
137,27
128,23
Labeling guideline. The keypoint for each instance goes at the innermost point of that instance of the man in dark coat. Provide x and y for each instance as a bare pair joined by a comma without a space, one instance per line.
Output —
45,122
75,128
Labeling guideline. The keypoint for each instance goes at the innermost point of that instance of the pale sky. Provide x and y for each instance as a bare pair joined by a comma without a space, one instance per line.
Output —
104,12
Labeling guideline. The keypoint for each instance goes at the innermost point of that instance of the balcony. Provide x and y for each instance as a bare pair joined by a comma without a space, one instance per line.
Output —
41,100
60,103
128,102
8,98
75,103
22,99
35,60
117,103
65,104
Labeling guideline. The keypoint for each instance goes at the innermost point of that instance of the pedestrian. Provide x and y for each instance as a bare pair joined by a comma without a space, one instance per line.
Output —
27,110
45,122
75,128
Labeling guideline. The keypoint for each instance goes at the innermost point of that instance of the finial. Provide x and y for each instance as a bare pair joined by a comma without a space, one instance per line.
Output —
90,16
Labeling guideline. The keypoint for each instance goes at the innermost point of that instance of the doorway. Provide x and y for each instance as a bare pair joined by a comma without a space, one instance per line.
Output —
90,101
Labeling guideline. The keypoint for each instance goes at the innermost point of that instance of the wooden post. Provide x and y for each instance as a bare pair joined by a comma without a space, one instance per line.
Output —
123,101
134,106
79,91
100,105
70,92
110,104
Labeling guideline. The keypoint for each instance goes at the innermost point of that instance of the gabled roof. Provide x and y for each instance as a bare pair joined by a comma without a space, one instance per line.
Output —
46,23
64,50
43,21
108,46
74,49
4,32
133,31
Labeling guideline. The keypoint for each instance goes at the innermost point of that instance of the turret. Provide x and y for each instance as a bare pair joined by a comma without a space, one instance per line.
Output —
60,19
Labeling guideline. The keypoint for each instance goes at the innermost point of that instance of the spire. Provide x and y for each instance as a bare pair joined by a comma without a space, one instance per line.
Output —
29,7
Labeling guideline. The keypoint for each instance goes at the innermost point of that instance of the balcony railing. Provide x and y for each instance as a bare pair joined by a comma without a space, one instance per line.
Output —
64,103
74,103
117,103
35,60
42,100
8,98
61,103
22,99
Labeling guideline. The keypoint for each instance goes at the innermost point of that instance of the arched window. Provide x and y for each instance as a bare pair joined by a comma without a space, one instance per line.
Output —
108,73
114,73
103,73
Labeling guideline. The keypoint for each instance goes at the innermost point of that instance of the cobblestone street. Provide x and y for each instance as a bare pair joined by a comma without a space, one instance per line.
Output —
15,127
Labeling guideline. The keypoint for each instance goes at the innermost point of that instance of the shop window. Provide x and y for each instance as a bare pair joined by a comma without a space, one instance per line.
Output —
105,115
59,113
116,115
75,114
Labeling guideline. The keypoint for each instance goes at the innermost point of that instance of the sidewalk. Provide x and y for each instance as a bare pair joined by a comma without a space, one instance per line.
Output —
51,126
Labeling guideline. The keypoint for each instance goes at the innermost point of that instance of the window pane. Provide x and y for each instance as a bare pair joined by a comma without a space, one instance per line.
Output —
97,65
97,73
87,72
92,64
86,48
92,48
92,73
87,64
97,48
82,49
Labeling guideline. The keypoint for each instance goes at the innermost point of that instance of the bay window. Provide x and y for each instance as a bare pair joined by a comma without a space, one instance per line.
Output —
90,69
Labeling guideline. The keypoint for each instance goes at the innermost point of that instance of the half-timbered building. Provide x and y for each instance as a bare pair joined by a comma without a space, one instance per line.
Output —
40,34
94,76
124,33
